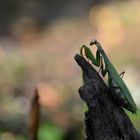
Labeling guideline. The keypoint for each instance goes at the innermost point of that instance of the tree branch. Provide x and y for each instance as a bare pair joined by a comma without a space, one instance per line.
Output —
105,120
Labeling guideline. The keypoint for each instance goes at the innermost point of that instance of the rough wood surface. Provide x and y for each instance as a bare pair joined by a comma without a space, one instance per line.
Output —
105,120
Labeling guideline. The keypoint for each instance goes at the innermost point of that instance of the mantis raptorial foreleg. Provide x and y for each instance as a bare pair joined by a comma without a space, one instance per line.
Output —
90,56
103,70
97,61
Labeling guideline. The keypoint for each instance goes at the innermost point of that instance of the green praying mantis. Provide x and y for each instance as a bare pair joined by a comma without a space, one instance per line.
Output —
118,88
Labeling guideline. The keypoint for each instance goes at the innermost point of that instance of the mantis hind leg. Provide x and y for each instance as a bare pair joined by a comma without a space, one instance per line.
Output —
122,74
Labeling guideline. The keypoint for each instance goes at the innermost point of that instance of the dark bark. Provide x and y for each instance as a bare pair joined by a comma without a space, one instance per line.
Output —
105,119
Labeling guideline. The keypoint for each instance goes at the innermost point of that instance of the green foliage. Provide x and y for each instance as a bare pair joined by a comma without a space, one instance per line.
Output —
21,138
49,131
135,119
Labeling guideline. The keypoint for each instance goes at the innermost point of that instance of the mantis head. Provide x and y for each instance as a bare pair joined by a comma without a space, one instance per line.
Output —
98,45
94,41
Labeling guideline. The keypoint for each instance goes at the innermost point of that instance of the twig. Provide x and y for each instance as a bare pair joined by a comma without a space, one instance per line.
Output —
34,116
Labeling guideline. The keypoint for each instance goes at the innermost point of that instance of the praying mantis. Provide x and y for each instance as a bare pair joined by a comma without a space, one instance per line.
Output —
116,85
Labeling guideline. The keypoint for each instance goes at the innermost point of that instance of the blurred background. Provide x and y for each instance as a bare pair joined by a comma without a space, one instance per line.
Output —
38,42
